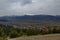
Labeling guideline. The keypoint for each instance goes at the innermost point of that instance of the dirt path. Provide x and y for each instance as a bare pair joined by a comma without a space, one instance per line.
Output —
40,37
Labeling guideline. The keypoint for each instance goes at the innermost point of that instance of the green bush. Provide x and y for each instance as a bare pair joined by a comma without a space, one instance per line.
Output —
30,32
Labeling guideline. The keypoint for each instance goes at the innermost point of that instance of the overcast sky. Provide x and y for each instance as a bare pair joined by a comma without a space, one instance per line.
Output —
29,7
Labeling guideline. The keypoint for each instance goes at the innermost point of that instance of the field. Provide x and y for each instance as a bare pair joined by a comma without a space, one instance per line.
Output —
31,24
40,37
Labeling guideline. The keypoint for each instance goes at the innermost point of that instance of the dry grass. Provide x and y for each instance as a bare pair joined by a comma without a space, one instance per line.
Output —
39,37
3,38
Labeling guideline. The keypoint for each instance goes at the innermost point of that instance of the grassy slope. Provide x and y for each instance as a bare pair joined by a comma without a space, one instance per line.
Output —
40,37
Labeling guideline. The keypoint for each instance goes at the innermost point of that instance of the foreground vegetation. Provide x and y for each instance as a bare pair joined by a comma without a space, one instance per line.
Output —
7,31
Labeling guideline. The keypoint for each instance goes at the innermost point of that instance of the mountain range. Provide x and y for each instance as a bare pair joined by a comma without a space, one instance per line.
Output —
49,18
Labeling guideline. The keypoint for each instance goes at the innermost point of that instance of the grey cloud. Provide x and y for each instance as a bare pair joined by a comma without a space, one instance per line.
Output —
54,8
6,3
24,2
30,7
